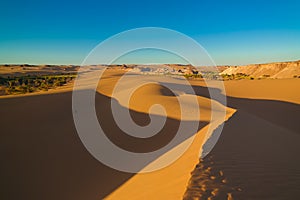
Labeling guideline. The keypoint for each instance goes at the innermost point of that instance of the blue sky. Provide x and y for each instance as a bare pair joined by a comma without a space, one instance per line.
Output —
233,32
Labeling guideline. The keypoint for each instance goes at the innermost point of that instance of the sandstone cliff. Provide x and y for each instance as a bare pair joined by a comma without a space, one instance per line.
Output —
272,70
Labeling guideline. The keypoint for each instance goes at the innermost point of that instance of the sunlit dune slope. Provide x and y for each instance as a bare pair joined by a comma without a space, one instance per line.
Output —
169,182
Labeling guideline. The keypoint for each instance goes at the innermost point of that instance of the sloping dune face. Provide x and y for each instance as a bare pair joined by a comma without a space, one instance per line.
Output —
44,155
169,182
255,157
257,153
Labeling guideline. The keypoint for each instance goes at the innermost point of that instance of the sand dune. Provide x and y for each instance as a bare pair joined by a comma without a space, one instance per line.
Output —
268,89
258,149
44,119
170,182
255,158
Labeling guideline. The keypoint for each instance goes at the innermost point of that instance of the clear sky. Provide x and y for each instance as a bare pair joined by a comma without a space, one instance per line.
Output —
233,32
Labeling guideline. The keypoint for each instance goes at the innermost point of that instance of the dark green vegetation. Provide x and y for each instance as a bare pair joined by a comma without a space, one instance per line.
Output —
222,77
33,83
206,75
188,76
237,76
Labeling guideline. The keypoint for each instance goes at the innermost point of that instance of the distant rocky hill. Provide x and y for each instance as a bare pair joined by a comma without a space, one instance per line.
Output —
268,70
272,70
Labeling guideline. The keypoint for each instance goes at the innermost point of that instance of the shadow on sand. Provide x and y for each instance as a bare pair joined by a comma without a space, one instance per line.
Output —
43,157
257,153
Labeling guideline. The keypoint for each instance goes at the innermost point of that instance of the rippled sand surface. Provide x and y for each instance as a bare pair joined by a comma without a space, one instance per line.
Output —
258,152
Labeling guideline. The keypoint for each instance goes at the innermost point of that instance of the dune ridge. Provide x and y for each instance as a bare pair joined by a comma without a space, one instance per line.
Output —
170,182
258,149
257,111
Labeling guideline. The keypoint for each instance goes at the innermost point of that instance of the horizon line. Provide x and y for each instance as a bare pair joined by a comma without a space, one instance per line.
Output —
120,64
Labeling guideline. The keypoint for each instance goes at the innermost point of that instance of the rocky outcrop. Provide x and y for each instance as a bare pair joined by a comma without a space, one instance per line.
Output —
272,70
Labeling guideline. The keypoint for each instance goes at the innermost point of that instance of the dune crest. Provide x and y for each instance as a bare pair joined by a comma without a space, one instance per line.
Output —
171,181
